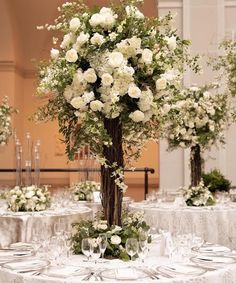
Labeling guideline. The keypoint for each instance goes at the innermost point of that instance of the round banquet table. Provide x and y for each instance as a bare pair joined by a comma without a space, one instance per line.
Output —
18,226
97,206
226,274
215,224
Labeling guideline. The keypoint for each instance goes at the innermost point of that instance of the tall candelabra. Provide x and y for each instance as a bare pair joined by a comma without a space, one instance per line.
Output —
32,158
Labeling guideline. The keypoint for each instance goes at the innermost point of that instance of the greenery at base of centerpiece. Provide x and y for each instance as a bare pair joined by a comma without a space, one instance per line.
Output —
216,181
132,224
29,198
5,121
84,190
106,81
198,195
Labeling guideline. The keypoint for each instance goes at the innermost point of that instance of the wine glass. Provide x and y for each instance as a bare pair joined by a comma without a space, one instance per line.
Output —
102,238
96,250
59,227
86,247
142,251
131,247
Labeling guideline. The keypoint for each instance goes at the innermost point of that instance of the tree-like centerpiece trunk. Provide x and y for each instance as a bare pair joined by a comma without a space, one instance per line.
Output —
111,193
196,165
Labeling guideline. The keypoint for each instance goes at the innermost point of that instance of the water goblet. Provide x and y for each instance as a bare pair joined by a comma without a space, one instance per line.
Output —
96,250
131,247
102,238
86,247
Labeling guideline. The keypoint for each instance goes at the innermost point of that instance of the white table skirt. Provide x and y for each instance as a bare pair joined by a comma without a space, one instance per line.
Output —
17,227
223,275
214,224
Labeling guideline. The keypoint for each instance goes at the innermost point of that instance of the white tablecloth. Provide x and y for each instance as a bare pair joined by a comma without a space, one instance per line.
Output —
215,224
222,275
17,226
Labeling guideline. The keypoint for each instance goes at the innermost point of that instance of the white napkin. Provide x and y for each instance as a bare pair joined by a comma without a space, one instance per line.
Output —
64,272
215,249
24,265
126,273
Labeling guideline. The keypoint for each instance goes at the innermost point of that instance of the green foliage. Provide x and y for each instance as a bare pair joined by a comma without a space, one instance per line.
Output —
216,182
133,224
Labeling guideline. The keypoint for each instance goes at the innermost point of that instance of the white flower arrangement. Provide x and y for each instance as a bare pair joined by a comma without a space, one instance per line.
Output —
198,195
5,121
197,116
133,224
29,198
111,63
84,190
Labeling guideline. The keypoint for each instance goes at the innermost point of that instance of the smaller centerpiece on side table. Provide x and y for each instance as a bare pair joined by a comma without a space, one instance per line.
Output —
83,191
29,198
197,118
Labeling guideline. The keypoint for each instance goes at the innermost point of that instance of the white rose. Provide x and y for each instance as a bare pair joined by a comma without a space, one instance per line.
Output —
88,96
75,24
116,229
171,42
90,75
194,88
147,56
66,41
96,20
115,240
107,79
96,105
134,91
78,103
102,226
97,39
116,59
82,38
68,93
137,116
54,53
29,194
71,56
161,84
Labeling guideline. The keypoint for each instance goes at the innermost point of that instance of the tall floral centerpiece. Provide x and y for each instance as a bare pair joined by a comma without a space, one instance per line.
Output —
105,79
5,121
197,118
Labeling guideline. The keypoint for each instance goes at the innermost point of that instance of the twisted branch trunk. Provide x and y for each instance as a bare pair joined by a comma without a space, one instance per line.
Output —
111,193
196,165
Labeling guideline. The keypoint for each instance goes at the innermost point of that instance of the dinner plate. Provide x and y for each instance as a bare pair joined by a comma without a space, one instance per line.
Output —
180,270
21,246
127,273
212,249
212,261
7,254
66,271
24,265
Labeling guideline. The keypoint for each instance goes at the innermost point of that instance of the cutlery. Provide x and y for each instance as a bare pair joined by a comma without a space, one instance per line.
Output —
150,273
86,278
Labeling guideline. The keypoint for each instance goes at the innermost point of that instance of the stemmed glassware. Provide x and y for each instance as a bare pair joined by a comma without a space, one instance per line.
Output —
86,247
96,250
102,243
131,247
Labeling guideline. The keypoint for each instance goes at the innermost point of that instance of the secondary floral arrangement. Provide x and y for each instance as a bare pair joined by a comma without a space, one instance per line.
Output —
133,225
29,198
105,79
84,190
197,118
198,195
5,121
